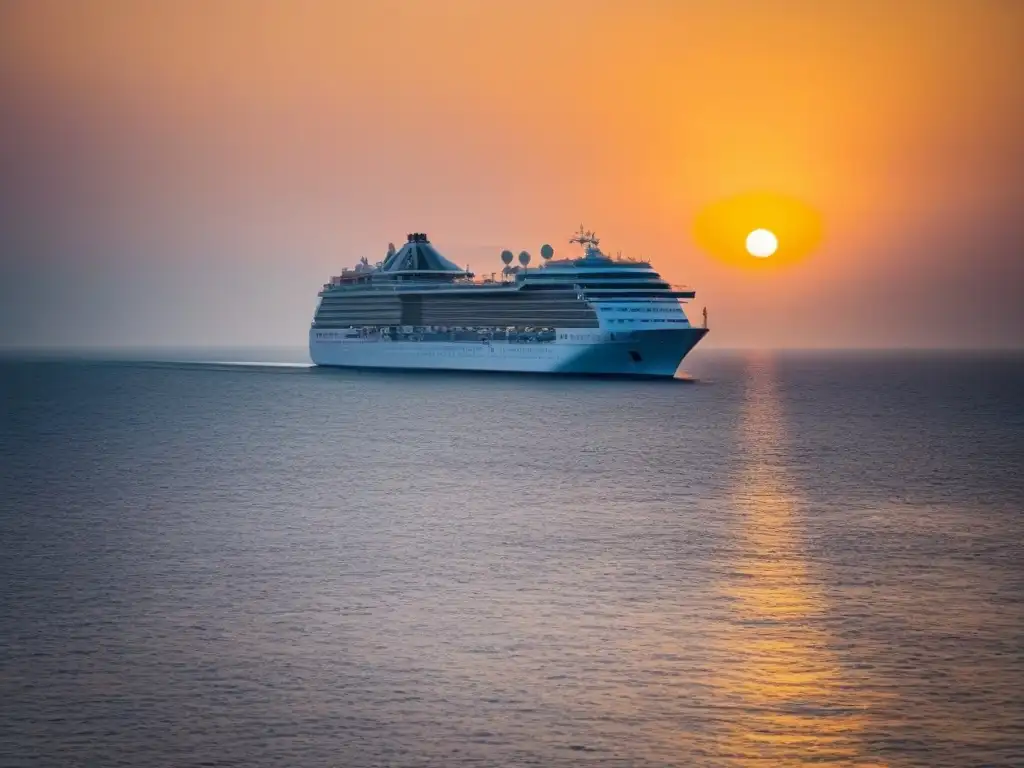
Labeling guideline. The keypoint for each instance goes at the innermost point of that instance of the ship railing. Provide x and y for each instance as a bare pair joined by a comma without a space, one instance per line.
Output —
583,293
391,287
639,287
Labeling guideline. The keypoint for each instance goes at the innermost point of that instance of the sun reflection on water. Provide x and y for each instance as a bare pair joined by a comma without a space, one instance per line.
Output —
790,703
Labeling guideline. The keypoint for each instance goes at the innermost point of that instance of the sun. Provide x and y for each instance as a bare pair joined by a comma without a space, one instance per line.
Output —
762,243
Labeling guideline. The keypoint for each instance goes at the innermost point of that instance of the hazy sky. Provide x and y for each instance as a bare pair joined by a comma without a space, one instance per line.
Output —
191,171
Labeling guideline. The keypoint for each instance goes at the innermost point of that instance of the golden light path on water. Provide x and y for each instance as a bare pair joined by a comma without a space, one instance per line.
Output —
792,702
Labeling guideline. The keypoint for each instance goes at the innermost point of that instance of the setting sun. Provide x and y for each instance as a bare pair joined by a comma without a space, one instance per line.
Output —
761,243
777,230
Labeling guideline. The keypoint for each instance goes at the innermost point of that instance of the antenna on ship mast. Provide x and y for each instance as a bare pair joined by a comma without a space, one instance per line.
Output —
586,238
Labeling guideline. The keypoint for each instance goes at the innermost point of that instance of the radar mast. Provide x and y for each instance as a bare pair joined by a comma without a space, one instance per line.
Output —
588,241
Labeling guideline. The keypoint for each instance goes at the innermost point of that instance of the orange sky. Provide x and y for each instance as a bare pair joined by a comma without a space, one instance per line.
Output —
176,143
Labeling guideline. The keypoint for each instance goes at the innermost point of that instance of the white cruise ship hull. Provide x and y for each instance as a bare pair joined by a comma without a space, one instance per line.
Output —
653,353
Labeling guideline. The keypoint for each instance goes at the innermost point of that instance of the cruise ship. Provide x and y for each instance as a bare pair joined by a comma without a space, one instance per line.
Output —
586,314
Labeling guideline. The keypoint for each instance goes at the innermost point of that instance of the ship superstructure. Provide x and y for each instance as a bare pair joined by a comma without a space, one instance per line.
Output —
592,314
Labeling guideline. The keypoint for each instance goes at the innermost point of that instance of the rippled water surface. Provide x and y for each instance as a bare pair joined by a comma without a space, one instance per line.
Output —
798,559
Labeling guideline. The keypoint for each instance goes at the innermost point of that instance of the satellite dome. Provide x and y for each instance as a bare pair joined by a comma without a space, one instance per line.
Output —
546,251
506,256
524,258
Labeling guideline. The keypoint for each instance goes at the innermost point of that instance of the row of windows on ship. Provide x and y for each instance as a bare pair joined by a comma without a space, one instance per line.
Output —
408,329
674,308
509,328
367,330
661,320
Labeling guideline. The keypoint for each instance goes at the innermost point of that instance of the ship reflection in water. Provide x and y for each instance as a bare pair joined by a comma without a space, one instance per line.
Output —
787,698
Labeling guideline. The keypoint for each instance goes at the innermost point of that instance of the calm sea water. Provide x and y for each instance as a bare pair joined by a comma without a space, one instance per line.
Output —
795,560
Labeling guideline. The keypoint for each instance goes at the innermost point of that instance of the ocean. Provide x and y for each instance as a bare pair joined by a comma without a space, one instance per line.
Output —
787,559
